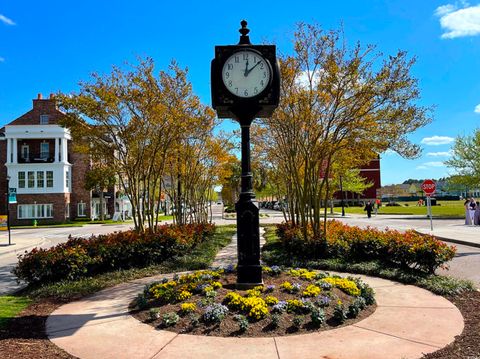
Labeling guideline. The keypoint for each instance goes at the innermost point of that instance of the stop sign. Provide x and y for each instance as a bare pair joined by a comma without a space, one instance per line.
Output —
428,187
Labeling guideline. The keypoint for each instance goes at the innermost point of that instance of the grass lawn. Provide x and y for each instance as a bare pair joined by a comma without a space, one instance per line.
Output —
10,306
443,209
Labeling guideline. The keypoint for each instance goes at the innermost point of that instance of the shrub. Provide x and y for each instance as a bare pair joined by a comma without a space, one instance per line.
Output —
154,313
242,322
339,313
317,315
297,321
83,257
170,319
215,313
275,319
406,250
141,301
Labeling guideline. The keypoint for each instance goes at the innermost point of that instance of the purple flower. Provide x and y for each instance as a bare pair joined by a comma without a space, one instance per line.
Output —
270,288
323,301
280,307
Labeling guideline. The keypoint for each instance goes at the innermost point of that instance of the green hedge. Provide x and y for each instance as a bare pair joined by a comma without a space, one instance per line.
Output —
406,250
80,257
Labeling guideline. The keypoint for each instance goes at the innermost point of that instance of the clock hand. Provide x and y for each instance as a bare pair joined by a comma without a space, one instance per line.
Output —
246,69
247,72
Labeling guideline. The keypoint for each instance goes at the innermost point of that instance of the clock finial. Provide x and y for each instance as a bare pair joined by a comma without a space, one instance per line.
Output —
244,39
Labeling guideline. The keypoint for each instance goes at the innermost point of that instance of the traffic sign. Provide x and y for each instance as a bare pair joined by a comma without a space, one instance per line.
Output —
428,187
12,195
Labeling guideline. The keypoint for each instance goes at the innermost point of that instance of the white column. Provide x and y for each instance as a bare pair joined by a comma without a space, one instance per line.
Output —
9,150
57,149
15,150
64,150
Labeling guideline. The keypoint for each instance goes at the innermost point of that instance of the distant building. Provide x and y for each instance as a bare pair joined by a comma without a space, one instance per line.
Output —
36,153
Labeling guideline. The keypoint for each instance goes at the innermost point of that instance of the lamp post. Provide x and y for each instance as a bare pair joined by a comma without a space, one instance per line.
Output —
245,85
8,210
343,197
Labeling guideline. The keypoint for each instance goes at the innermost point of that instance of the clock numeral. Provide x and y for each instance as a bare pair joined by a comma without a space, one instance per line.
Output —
254,59
264,74
245,56
227,74
261,83
230,83
230,66
255,90
236,90
237,59
261,65
245,93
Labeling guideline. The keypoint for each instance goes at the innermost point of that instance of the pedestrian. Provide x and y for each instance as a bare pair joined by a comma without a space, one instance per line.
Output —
369,208
476,215
468,219
376,206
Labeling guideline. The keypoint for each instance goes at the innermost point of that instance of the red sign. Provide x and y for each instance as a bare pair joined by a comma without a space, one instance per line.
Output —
428,187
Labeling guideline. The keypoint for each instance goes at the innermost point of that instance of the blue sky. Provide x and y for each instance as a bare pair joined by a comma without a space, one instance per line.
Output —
49,46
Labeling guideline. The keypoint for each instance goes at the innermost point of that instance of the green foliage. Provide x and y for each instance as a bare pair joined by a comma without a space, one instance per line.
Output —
297,321
465,160
170,319
10,306
339,313
317,316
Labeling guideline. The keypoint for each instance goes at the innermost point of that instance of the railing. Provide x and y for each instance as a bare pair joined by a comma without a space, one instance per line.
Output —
35,158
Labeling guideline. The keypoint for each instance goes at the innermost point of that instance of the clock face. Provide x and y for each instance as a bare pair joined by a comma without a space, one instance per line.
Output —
246,74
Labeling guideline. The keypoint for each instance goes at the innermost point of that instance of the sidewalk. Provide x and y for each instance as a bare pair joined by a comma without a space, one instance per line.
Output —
407,323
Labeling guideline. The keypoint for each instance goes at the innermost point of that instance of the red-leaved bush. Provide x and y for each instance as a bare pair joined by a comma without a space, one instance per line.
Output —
355,244
84,257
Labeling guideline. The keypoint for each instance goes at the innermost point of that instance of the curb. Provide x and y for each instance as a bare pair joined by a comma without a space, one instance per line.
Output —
450,240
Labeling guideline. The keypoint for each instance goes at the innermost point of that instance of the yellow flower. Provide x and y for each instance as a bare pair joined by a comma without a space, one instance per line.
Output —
311,291
188,307
271,300
346,285
183,295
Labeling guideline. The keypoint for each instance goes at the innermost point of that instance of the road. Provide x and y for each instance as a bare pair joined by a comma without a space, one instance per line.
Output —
466,263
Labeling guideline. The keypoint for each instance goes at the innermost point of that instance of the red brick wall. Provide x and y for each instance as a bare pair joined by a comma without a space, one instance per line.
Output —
59,201
34,147
80,165
40,107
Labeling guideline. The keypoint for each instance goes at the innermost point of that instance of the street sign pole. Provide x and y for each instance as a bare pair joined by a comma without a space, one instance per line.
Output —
429,205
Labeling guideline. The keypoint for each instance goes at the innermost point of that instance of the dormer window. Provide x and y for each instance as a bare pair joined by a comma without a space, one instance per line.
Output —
44,119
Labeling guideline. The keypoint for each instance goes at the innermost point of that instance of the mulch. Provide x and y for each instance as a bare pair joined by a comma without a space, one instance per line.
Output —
262,328
25,336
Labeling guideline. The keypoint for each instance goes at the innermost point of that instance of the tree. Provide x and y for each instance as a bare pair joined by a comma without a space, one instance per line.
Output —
465,160
133,120
339,108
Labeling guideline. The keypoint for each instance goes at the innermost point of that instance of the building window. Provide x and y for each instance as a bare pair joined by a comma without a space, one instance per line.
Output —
44,119
25,152
67,211
44,150
67,179
81,209
40,179
21,179
31,179
49,178
31,211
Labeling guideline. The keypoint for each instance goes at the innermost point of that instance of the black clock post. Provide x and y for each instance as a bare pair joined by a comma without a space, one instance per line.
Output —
245,100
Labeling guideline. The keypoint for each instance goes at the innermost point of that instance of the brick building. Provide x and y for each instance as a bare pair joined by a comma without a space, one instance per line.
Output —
36,154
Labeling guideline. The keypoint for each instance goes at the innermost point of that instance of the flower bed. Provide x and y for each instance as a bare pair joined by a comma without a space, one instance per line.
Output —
407,250
80,257
290,301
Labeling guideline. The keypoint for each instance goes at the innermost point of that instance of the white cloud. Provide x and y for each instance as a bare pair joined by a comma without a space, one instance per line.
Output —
389,152
429,165
477,109
440,154
6,20
437,140
434,164
459,22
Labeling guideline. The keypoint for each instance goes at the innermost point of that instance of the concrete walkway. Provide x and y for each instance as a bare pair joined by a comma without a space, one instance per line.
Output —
408,322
